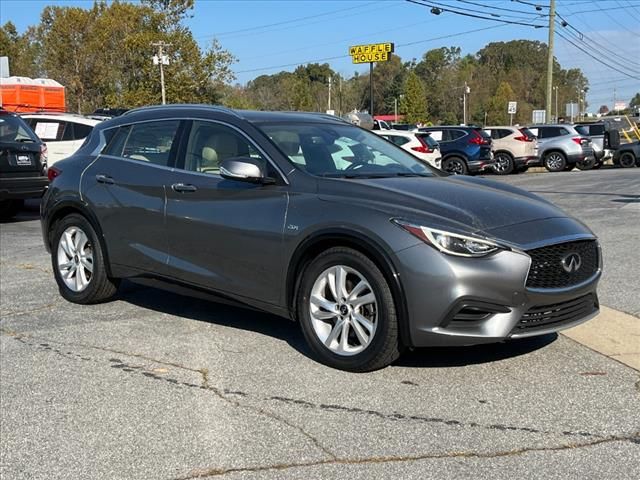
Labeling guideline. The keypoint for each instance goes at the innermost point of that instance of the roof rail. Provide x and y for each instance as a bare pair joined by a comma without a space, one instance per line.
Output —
219,108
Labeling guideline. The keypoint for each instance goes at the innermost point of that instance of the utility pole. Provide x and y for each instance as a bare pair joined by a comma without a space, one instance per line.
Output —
161,59
552,20
329,107
395,109
556,89
614,100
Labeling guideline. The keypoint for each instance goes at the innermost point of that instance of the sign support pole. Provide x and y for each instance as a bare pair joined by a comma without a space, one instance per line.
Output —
511,119
371,88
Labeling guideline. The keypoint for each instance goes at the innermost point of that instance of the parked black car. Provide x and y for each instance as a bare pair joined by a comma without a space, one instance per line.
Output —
464,149
627,155
23,164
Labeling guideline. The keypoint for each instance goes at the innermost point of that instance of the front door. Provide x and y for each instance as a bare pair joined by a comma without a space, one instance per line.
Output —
224,234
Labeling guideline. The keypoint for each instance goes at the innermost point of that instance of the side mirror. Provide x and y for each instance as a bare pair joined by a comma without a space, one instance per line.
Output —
245,169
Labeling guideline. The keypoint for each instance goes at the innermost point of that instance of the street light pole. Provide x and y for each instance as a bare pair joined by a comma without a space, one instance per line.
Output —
552,20
395,109
556,89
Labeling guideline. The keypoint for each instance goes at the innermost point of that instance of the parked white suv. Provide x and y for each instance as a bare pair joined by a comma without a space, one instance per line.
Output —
62,132
419,144
514,149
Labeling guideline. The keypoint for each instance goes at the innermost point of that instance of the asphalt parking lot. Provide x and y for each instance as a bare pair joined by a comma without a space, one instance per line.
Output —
159,386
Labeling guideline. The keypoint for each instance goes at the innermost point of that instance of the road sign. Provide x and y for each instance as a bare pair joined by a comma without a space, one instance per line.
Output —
373,52
539,116
512,108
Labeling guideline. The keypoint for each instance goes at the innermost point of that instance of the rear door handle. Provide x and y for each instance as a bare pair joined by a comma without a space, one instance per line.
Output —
183,187
100,178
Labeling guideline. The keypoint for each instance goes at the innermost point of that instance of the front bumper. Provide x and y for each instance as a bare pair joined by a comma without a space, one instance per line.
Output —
466,301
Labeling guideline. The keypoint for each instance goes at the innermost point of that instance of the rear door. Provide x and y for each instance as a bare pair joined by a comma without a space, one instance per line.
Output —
126,188
57,134
224,234
20,149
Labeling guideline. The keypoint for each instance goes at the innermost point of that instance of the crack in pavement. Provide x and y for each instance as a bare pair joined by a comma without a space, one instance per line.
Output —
230,397
18,313
213,472
223,394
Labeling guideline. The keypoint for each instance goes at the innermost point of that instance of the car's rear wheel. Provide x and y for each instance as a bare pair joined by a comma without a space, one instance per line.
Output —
627,160
555,162
9,208
455,165
78,262
504,163
347,313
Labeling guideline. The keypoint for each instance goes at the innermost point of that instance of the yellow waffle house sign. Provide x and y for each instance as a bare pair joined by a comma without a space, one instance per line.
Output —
374,52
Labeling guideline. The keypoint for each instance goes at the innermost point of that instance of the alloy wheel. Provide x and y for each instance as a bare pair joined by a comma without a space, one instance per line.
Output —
344,310
555,161
455,166
75,259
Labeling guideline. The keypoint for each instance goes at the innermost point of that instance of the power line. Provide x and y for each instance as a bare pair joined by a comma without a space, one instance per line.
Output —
595,58
500,8
442,8
443,37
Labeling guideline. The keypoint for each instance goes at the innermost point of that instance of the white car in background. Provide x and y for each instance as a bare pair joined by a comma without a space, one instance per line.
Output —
62,132
420,144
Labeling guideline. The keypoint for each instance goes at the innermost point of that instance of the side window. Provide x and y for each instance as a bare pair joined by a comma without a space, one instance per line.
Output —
562,131
151,141
80,131
456,134
535,132
543,132
118,137
209,143
398,140
67,133
49,130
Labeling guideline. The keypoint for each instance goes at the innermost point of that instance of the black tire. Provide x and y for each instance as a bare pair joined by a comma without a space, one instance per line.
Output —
555,162
455,165
504,163
627,160
100,287
10,208
586,164
384,347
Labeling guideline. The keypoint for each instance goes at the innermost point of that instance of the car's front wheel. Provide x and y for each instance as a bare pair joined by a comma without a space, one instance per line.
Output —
78,262
347,312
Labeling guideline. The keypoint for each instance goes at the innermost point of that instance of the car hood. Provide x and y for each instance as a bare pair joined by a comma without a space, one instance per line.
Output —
461,203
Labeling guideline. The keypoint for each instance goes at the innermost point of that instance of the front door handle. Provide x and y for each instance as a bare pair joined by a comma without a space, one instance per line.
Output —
183,187
100,178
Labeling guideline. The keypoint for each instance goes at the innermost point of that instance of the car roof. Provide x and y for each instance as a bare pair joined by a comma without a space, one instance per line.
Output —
252,116
502,126
70,117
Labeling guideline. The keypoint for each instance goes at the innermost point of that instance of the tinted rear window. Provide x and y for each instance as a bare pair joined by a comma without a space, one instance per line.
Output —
14,129
426,138
582,130
528,133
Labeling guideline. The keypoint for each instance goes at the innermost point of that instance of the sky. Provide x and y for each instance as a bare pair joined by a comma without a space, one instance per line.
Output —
269,36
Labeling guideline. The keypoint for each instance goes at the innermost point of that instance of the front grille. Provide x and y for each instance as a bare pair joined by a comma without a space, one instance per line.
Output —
550,316
548,270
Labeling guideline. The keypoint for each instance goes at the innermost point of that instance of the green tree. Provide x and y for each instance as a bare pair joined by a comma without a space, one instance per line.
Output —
635,101
497,105
414,102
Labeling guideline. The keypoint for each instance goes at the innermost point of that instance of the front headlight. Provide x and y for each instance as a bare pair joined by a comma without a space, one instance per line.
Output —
450,243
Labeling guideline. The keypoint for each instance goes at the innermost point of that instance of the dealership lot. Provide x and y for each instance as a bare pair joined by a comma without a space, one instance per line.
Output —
155,385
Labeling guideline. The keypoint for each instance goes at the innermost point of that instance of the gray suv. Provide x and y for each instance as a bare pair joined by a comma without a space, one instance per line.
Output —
562,147
311,218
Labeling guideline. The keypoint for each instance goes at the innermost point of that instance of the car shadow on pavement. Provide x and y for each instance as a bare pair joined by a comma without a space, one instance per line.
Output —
266,324
438,357
30,211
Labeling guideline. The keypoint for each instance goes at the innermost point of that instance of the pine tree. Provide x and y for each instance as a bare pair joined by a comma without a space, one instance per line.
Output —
414,102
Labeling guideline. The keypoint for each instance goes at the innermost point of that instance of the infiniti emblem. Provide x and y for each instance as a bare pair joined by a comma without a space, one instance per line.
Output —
571,262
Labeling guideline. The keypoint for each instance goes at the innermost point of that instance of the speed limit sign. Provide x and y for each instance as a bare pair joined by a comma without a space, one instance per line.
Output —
512,108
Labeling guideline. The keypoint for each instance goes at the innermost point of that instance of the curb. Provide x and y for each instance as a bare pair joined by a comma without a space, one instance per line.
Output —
613,334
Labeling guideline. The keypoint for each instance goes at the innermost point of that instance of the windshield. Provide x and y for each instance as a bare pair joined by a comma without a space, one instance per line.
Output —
330,150
13,129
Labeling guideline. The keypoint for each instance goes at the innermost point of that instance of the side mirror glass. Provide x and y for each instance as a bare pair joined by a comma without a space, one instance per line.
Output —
245,169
